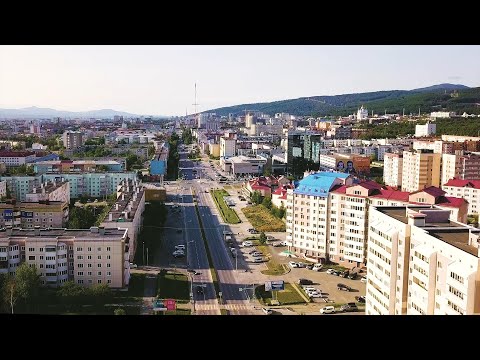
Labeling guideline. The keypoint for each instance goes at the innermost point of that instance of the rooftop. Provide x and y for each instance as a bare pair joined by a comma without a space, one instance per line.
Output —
318,184
458,237
94,233
463,183
16,153
48,187
125,207
400,213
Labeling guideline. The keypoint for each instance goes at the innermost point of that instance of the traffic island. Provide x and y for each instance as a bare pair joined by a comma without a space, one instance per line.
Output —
289,296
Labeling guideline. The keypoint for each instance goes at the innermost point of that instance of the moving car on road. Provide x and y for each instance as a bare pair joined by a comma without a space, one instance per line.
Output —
343,287
302,281
266,311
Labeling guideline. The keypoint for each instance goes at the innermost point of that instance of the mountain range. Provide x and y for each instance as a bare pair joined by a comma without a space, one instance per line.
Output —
451,97
36,112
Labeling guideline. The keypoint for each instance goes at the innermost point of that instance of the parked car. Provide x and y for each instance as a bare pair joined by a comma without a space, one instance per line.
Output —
343,287
309,288
179,231
199,289
277,244
360,299
293,264
267,311
317,267
327,310
309,266
316,294
283,243
301,264
353,276
270,237
178,254
256,254
302,281
345,273
180,247
330,271
363,279
349,307
133,266
258,259
247,243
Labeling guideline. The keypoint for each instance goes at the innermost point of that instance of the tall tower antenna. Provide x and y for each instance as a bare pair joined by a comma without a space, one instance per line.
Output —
195,104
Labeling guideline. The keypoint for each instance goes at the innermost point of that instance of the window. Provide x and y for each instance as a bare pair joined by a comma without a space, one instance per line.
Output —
89,265
31,258
99,273
89,257
109,248
89,249
99,265
108,257
99,249
109,281
31,249
79,281
80,273
109,273
108,265
99,257
80,257
79,249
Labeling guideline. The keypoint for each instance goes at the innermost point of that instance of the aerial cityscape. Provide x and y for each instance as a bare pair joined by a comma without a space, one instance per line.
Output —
240,180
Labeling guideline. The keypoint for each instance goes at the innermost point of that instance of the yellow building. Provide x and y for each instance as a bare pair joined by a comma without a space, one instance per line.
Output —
214,149
421,169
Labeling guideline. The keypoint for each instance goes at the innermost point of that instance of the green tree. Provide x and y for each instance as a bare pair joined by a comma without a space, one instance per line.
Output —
119,311
82,217
71,294
10,293
263,238
267,202
24,285
28,283
256,197
131,160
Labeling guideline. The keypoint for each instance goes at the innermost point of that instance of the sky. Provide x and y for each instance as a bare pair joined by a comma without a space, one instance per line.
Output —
160,80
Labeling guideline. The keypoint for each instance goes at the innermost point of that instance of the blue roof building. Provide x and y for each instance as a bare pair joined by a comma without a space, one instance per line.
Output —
320,183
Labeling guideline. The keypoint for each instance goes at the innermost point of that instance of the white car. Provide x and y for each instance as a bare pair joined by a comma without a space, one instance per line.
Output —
257,254
327,310
179,247
247,243
330,271
317,267
133,266
267,311
363,279
293,264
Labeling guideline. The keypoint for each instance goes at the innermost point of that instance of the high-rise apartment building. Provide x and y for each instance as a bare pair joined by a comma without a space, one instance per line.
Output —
421,169
72,139
327,215
227,146
393,169
460,166
421,262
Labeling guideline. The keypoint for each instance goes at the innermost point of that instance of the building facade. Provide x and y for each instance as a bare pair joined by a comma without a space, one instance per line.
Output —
227,147
87,257
72,139
460,166
420,169
466,189
393,169
421,262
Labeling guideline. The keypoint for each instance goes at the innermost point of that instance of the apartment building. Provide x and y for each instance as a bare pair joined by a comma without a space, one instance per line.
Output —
3,189
227,146
93,256
56,190
127,211
427,129
16,158
460,166
327,215
393,169
86,184
45,214
421,262
78,166
420,169
72,139
467,189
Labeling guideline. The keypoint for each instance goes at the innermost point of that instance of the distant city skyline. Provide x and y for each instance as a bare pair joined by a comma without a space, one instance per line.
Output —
159,80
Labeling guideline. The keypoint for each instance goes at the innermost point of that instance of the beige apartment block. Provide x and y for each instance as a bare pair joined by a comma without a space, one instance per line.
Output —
94,256
393,169
421,262
421,169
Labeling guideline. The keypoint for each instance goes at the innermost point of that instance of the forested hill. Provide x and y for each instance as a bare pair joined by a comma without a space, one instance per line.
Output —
441,97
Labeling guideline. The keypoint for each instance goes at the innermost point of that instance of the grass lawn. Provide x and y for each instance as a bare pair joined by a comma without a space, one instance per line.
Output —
262,219
173,286
228,214
285,297
274,268
228,187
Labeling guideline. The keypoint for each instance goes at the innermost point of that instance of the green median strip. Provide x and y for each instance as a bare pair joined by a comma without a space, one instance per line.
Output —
228,214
